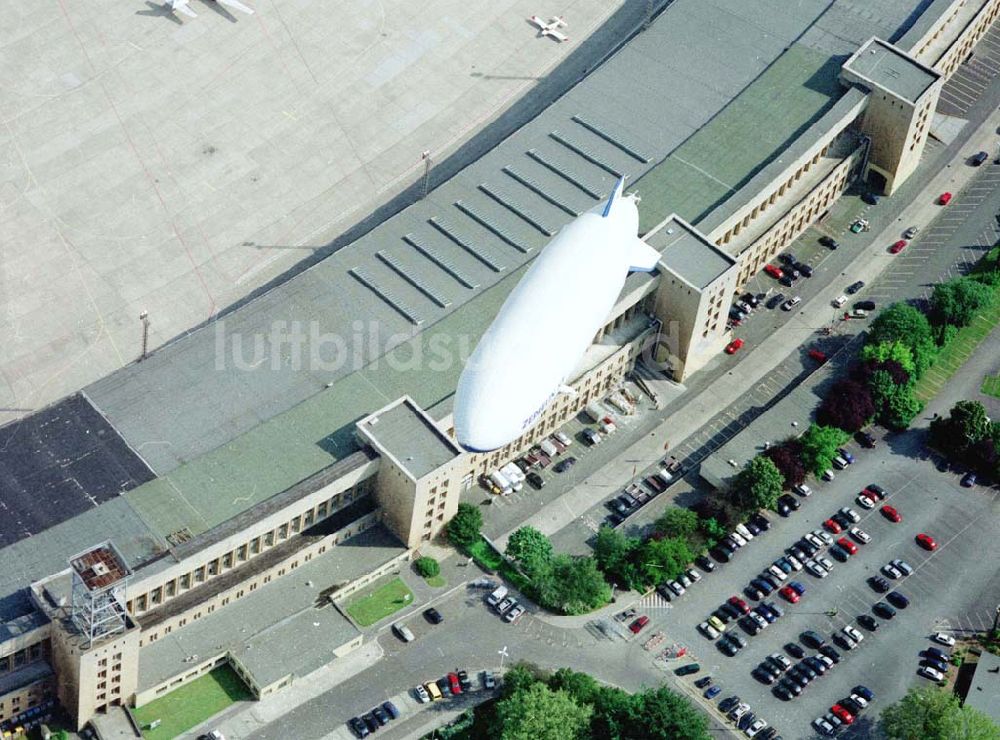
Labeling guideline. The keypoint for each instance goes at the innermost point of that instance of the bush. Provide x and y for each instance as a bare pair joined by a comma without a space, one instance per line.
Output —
819,446
427,567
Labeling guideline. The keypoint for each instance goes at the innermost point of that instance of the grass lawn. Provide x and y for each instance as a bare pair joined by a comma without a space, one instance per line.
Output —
436,581
485,555
192,704
957,352
991,386
387,599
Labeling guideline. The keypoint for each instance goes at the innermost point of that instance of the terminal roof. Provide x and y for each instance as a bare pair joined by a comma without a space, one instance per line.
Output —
984,693
410,437
688,254
882,66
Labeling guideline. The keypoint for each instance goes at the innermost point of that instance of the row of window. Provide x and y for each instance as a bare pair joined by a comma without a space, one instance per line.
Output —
246,551
13,705
23,657
959,51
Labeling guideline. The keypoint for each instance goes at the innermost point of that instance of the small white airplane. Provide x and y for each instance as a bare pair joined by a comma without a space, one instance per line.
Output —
551,28
184,6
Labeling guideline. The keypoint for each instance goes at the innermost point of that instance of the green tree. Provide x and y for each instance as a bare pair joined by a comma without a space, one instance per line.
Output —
530,548
582,687
661,714
928,712
427,567
819,446
539,713
958,301
897,351
758,485
677,522
571,585
613,554
904,323
713,530
661,560
464,527
970,421
901,408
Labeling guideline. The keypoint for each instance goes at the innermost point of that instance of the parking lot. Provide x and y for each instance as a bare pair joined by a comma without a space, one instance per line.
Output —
953,588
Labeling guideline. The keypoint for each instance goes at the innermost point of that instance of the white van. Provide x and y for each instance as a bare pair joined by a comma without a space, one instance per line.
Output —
564,438
548,448
511,472
665,476
840,463
497,596
403,632
594,411
502,483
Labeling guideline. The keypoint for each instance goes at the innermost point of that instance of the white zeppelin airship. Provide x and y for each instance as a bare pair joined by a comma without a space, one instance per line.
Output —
547,322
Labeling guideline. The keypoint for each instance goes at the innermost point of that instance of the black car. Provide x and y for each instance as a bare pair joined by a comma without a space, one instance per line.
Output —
754,529
884,610
851,706
358,726
761,521
724,552
897,599
731,610
613,520
762,676
795,650
855,287
564,465
771,580
865,439
728,703
370,722
805,669
829,242
797,551
433,616
775,300
937,665
878,583
464,681
727,646
381,715
750,299
844,521
786,258
871,198
746,720
791,686
813,639
808,547
786,280
790,500
868,622
799,677
754,592
444,686
535,480
865,305
936,653
784,692
805,269
839,553
704,563
703,682
831,652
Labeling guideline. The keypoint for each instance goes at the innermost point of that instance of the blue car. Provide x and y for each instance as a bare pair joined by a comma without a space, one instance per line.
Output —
797,587
762,585
712,691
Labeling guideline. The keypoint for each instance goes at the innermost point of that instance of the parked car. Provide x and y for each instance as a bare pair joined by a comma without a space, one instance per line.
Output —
911,232
890,513
734,346
897,247
433,616
774,271
969,479
871,198
829,242
563,465
944,639
775,300
944,199
860,535
926,541
855,287
791,303
638,624
979,158
535,480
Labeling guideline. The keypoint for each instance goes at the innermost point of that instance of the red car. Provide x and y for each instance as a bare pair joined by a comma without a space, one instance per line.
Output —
890,513
945,199
789,593
739,604
454,684
817,355
848,545
898,247
733,346
774,272
842,714
833,526
638,624
926,541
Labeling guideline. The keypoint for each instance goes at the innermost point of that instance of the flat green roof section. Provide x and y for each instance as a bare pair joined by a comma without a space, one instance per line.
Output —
290,447
742,139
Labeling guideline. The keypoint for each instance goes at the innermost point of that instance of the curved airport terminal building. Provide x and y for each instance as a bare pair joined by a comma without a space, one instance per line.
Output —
190,510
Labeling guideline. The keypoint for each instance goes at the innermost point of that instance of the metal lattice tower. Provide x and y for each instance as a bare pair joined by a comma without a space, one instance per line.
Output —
100,576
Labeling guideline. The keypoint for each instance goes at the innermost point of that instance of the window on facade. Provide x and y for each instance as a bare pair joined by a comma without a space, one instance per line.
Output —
156,596
227,560
269,539
35,651
171,588
307,519
140,603
241,552
185,581
213,568
321,510
199,574
296,524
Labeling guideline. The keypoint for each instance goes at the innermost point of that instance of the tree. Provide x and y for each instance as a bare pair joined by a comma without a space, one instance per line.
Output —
713,530
661,714
929,712
663,560
787,458
539,713
530,548
896,351
819,446
582,687
571,585
677,522
970,421
758,485
848,405
901,408
427,567
613,554
464,527
958,301
904,323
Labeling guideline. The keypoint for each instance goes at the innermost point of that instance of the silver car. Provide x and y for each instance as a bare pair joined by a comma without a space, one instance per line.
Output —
825,536
816,569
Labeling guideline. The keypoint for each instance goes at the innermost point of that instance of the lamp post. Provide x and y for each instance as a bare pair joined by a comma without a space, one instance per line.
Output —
503,654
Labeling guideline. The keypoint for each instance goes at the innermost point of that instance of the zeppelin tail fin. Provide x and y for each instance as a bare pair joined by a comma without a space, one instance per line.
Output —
642,257
616,193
